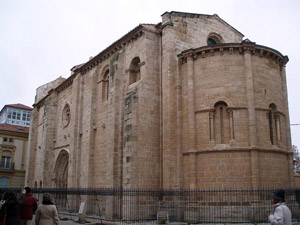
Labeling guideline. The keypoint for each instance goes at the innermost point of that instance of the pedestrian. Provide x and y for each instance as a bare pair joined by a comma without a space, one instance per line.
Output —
2,201
282,214
46,213
10,211
28,208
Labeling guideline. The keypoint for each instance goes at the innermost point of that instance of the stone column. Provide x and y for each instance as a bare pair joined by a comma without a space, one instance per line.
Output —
211,125
250,99
230,115
191,122
288,144
168,77
277,126
251,115
30,170
286,110
290,170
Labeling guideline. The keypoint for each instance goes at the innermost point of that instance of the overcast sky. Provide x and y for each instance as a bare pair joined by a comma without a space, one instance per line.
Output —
41,40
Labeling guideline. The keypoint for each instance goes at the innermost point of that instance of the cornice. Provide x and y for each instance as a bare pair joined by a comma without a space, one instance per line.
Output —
268,110
14,134
8,147
65,84
213,109
240,48
112,49
236,149
196,15
39,104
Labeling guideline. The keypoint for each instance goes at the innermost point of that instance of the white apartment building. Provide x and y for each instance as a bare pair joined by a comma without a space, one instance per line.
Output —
16,114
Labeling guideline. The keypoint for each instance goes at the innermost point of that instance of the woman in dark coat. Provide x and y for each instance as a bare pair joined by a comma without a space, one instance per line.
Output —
11,208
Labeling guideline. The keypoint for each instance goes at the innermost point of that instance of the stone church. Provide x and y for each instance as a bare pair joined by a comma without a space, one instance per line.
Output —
183,104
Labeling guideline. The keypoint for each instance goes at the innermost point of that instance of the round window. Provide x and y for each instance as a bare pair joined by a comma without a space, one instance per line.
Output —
66,115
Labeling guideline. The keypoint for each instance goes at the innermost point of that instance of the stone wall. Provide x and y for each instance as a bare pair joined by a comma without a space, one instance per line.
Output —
233,104
160,108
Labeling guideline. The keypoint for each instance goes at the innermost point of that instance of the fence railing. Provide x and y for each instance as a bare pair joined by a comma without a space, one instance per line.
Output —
189,206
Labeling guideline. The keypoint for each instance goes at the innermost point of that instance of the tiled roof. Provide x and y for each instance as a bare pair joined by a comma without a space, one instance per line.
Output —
19,106
14,128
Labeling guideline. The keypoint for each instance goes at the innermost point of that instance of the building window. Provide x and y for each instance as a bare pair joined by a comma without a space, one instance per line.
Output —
221,124
4,182
5,139
9,114
134,71
105,86
18,116
26,116
14,114
66,115
6,160
11,140
211,41
274,124
214,39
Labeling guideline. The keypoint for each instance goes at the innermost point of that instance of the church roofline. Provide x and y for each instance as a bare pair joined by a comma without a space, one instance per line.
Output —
193,15
242,47
111,49
106,53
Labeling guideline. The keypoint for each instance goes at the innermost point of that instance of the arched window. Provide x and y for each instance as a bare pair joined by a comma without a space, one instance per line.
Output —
105,86
4,182
134,71
214,39
211,41
6,160
221,124
274,124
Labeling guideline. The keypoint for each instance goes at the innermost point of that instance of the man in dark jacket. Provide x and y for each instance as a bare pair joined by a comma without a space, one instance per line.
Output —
28,208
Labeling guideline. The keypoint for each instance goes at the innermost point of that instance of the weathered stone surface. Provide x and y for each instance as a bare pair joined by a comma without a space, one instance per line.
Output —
160,108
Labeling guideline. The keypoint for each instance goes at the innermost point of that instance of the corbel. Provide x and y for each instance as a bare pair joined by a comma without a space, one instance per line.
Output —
221,51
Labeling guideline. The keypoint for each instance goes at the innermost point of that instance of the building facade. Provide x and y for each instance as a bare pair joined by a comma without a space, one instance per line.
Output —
16,114
185,103
13,145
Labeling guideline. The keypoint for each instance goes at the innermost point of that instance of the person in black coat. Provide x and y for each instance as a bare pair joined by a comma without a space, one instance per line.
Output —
11,208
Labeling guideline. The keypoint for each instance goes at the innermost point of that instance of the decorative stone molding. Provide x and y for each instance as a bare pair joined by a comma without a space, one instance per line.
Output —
142,64
66,115
267,110
111,50
64,85
242,48
234,149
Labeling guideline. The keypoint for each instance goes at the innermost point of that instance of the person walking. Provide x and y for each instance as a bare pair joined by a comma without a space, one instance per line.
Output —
28,208
46,213
282,214
10,211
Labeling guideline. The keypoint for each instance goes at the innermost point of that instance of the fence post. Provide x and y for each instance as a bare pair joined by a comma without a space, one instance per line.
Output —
81,213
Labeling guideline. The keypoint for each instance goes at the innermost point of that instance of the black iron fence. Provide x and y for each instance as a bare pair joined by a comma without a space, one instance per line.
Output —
187,206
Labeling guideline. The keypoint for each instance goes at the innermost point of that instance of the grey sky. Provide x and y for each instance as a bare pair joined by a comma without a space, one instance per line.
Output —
41,40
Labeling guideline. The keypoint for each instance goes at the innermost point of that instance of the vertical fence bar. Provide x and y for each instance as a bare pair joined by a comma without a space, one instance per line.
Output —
186,206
